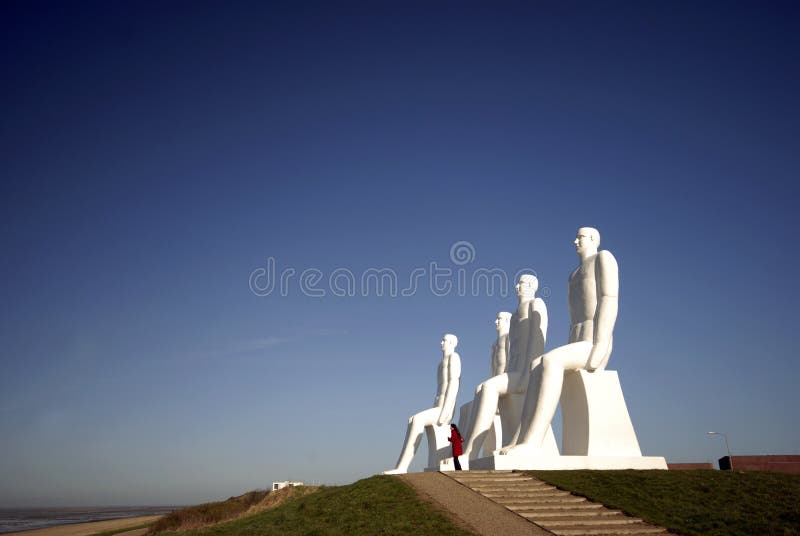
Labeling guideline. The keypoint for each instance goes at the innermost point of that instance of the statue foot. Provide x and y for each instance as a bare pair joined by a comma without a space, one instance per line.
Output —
394,472
520,450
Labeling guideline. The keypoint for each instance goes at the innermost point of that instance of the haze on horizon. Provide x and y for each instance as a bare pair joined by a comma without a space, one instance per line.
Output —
155,156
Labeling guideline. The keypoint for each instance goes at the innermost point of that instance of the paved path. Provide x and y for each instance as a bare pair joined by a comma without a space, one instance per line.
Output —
470,510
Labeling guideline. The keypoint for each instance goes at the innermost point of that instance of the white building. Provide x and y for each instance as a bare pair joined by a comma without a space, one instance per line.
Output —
280,485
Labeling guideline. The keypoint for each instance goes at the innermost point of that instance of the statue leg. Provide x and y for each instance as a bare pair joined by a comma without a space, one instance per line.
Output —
531,391
466,429
510,414
544,392
416,426
484,409
465,418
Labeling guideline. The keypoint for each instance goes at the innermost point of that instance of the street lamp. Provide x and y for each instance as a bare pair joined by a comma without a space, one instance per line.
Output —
730,458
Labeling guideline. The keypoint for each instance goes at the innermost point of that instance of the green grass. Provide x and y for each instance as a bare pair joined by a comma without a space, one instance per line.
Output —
694,502
377,505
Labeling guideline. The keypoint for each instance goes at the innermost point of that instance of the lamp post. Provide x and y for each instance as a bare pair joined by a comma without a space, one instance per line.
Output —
730,458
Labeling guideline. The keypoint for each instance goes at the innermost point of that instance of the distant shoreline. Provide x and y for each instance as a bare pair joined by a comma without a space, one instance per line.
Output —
85,529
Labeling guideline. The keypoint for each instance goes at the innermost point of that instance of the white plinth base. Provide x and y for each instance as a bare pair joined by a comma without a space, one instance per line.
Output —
551,463
595,417
446,464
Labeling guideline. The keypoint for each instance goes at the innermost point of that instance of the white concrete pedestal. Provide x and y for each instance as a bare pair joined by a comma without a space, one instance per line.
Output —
498,462
598,433
595,417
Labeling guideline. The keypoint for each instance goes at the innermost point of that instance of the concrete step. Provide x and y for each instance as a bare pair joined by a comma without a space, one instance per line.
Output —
548,501
470,472
515,489
505,476
551,496
536,506
535,486
520,502
500,484
489,472
509,485
598,521
506,484
499,476
564,513
634,530
498,480
501,496
555,510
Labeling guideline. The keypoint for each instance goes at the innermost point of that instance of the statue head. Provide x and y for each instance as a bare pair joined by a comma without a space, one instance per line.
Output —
587,241
527,286
503,322
449,343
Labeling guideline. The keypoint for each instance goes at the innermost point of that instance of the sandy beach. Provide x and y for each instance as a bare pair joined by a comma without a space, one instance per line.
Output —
86,529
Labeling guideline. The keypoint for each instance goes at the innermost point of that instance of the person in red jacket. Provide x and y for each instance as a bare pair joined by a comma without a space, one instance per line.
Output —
456,439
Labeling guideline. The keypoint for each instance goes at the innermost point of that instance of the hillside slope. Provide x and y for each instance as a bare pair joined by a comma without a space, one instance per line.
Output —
375,505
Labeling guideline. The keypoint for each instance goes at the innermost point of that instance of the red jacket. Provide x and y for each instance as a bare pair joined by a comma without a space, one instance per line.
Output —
455,439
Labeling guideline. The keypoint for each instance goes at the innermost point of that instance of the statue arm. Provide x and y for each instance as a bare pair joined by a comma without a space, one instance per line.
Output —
501,358
452,377
441,386
607,277
538,334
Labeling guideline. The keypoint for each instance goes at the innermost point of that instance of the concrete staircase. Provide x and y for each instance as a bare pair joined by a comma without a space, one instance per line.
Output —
552,509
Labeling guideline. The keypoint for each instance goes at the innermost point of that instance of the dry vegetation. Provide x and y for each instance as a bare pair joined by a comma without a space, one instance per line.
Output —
207,514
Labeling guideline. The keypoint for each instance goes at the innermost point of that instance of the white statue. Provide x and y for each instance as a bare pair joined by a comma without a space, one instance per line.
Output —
498,362
500,347
448,376
593,301
527,332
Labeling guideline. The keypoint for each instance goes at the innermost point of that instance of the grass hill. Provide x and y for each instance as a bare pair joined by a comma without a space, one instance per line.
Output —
702,502
686,502
376,505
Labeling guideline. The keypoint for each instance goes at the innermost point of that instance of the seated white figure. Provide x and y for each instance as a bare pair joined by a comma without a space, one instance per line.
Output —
501,346
499,358
441,414
527,332
593,302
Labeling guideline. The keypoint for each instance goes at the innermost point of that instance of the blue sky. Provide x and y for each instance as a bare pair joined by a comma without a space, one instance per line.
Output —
154,156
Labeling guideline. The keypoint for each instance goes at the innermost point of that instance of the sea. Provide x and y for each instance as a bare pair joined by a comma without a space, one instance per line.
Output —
17,519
